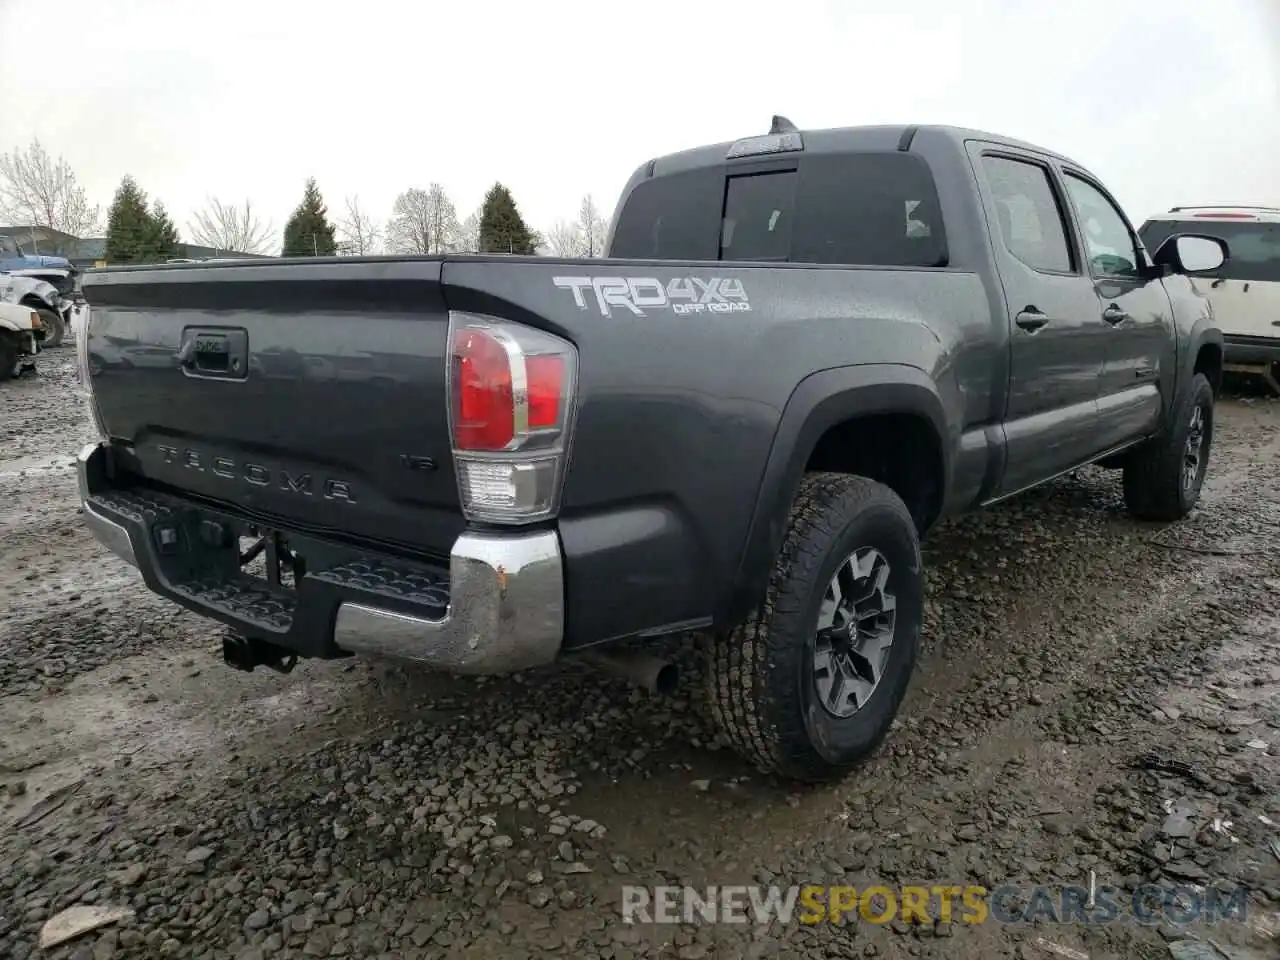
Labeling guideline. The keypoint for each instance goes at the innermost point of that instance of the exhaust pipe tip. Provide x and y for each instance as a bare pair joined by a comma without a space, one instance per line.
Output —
666,680
238,653
246,653
650,673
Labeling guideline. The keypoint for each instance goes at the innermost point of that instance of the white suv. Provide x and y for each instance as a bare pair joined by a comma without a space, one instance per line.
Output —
1246,292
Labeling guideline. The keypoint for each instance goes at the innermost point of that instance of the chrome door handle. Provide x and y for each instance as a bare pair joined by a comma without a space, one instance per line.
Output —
1114,315
1031,319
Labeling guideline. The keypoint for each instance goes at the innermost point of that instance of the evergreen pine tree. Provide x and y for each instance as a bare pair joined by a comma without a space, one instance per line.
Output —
162,237
129,225
309,232
502,229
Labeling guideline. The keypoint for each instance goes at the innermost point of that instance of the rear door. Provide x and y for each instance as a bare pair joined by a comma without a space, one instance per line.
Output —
1139,373
313,393
1057,338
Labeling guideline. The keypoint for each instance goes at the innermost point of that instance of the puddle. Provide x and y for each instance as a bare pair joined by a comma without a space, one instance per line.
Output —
148,713
35,464
1242,687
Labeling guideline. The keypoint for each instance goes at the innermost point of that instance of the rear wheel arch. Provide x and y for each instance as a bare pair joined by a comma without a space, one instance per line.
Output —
886,422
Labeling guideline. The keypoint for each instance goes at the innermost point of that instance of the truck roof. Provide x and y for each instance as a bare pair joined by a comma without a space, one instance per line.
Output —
848,139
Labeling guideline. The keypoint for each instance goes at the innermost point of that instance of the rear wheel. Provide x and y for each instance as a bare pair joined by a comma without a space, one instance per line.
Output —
810,684
54,326
1163,478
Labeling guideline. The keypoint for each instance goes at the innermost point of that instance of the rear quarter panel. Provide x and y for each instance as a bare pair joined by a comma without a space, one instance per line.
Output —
679,412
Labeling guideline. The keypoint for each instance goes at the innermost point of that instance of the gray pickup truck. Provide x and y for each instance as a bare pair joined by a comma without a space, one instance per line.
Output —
804,349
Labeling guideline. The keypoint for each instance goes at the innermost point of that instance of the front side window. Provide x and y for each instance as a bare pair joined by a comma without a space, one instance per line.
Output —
1108,243
8,247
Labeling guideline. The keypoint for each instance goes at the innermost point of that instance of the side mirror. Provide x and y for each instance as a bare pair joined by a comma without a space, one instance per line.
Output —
1191,253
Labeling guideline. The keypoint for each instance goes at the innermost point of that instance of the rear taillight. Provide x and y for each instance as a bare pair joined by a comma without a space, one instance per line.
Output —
79,321
511,392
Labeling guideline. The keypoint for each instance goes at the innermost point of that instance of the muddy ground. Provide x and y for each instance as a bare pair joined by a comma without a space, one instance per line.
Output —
1095,696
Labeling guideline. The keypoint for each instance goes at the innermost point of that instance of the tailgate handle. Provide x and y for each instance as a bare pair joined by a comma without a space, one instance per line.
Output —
214,353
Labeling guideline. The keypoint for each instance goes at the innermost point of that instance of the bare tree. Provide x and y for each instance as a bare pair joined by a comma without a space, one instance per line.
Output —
424,221
232,229
592,226
565,239
360,233
469,234
583,237
42,191
408,230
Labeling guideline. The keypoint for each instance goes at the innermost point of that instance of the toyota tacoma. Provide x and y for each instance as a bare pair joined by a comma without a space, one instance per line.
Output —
803,350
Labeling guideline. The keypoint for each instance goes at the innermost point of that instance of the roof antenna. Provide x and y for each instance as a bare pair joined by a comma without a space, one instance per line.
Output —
782,125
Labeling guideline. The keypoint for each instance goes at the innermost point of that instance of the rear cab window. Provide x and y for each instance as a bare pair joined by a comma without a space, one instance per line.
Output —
873,209
1253,245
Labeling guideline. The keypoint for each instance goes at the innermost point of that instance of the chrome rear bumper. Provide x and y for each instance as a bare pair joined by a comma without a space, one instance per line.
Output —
505,592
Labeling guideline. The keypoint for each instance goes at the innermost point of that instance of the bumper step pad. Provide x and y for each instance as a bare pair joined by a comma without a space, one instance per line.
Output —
425,588
243,597
252,604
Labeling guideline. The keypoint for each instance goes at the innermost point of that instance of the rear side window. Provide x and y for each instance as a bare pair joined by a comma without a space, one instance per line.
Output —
1030,215
1254,247
877,209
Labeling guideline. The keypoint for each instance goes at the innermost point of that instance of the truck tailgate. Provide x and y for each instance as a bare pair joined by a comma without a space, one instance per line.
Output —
312,393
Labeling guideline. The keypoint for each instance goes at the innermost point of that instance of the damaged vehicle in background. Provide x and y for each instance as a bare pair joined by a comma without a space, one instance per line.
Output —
56,312
50,285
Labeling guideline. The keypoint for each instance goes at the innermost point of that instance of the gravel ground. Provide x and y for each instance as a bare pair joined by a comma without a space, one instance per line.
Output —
1094,695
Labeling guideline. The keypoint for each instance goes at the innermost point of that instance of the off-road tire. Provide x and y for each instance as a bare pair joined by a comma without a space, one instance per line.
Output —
1153,487
55,328
760,676
8,356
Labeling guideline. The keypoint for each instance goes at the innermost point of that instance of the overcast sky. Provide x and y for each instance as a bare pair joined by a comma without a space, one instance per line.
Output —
1169,101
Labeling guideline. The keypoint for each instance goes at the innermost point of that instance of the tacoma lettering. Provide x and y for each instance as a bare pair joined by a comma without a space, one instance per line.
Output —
256,474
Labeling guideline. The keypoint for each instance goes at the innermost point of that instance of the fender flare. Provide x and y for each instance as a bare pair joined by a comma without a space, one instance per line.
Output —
1204,333
821,401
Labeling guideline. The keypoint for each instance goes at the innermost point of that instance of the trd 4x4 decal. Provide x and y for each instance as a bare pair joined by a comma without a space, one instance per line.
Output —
681,295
